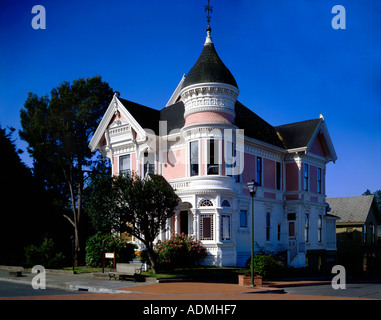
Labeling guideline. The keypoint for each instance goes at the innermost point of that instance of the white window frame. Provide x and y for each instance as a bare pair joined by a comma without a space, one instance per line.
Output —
120,161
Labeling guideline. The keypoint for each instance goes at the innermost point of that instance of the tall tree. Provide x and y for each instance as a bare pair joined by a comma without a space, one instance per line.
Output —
140,207
58,131
377,197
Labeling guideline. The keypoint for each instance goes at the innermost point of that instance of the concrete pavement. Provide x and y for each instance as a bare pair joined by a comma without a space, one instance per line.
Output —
104,289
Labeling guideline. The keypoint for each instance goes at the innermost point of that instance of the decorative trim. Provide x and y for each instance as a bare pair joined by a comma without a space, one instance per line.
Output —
215,97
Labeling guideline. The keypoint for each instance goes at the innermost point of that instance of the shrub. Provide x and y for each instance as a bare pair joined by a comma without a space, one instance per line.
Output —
266,265
124,251
44,255
179,251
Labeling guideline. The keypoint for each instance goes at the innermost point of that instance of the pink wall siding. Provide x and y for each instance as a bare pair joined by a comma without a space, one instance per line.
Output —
249,170
317,147
202,155
115,166
175,168
133,162
292,175
269,173
209,117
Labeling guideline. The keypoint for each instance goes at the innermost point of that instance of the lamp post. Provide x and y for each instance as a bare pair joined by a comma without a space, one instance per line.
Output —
252,186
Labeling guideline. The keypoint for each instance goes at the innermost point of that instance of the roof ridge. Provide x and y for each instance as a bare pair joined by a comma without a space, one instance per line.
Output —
293,123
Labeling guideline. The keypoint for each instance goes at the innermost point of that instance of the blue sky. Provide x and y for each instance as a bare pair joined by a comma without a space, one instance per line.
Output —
288,61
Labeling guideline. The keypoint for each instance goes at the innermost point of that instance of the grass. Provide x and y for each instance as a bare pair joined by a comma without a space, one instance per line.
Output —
84,269
213,273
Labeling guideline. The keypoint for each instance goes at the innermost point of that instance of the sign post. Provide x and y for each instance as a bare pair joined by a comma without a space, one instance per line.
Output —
109,255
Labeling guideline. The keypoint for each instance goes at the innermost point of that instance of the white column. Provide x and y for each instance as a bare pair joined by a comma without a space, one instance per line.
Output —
218,227
176,223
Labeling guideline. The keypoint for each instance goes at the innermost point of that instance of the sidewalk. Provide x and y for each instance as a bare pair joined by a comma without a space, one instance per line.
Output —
99,283
75,282
104,289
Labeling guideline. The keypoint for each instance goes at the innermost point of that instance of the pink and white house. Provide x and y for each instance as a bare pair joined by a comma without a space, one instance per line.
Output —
208,145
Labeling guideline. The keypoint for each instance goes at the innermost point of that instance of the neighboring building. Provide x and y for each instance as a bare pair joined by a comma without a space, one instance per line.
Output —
195,143
358,233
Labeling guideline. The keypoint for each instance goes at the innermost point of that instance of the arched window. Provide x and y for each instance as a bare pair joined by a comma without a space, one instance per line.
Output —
206,203
226,204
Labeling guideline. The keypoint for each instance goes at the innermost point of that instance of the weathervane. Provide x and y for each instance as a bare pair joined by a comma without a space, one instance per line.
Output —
209,10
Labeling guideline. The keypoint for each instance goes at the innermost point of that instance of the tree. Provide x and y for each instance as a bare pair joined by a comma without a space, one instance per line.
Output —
377,197
20,193
58,131
128,203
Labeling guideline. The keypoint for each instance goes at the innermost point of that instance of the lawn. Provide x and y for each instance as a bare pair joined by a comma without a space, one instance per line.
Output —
199,273
84,269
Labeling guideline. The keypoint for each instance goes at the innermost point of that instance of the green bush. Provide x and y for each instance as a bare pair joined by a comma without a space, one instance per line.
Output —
124,251
179,251
266,266
44,255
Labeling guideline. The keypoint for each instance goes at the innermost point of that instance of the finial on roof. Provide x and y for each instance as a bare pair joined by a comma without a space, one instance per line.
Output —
209,10
321,116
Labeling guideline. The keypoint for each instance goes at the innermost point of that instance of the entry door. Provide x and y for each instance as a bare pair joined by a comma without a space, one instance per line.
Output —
184,222
291,234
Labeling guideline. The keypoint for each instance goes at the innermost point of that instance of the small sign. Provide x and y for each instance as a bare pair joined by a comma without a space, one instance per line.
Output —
110,255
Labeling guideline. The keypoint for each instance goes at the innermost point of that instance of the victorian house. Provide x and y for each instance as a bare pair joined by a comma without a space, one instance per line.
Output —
208,145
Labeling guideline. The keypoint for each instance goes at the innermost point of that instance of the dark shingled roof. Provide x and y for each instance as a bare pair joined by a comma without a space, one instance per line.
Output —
149,118
174,115
298,134
209,68
288,136
255,127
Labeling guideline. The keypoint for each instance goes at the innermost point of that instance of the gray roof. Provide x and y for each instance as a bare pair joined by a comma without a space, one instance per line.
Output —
351,209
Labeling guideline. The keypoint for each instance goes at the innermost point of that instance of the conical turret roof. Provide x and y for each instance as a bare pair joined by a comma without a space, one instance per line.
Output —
209,68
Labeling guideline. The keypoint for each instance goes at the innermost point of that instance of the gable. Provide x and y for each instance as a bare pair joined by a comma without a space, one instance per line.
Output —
118,123
321,143
297,135
319,146
310,136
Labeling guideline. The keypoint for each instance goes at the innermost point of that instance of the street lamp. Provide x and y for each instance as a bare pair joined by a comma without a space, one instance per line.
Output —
252,186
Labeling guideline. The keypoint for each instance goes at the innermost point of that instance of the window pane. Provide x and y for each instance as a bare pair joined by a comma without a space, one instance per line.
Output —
149,163
243,219
267,226
213,157
225,227
319,180
194,158
291,229
306,177
259,170
125,164
206,227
